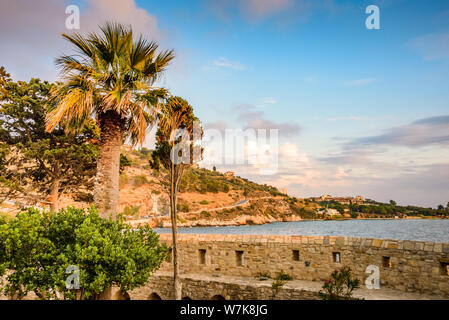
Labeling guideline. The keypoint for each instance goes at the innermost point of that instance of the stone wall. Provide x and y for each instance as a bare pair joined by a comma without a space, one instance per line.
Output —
223,288
408,266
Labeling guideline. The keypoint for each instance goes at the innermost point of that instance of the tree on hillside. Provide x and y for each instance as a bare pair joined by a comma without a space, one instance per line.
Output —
393,203
176,151
110,77
33,160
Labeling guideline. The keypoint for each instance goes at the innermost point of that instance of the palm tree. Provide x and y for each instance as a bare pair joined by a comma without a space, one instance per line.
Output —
110,78
176,115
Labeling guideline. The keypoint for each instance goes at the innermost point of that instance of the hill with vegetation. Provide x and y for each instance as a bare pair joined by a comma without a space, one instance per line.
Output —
209,197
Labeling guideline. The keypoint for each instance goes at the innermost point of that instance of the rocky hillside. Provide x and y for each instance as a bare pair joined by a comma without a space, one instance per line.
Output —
206,197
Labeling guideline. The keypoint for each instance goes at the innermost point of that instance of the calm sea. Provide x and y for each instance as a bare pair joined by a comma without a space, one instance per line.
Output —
420,230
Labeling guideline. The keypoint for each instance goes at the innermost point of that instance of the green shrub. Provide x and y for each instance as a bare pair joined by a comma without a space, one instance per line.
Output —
131,211
124,162
205,214
263,275
140,180
283,276
204,202
38,247
183,207
341,286
123,180
277,284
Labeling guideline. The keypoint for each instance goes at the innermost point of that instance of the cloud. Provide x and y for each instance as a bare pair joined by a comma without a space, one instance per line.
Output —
218,125
269,101
32,30
360,82
420,133
260,10
341,173
351,117
225,63
263,8
433,46
256,119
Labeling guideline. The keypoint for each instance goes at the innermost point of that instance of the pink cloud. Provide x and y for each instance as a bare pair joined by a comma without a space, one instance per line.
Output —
262,8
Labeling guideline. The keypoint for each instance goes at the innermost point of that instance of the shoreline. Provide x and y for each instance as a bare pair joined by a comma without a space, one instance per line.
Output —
247,221
305,220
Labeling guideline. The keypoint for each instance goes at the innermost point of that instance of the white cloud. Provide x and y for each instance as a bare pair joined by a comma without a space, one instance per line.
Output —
433,46
269,101
225,63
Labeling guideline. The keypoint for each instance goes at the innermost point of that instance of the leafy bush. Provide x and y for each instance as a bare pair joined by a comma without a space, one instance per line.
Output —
277,284
131,211
183,207
140,180
283,276
37,247
123,180
263,275
124,162
341,286
204,202
205,214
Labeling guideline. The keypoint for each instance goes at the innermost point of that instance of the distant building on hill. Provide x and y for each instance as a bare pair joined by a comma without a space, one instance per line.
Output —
343,200
229,174
331,212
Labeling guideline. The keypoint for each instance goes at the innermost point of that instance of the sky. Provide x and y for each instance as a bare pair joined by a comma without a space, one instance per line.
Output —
358,111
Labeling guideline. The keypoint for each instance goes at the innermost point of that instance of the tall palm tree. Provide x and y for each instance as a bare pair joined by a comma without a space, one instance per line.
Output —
111,78
176,115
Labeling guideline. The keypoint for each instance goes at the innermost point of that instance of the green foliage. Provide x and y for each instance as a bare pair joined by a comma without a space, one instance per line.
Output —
176,114
205,214
263,275
111,74
204,202
30,157
283,276
140,180
37,247
131,211
124,162
277,284
123,180
144,153
341,286
184,207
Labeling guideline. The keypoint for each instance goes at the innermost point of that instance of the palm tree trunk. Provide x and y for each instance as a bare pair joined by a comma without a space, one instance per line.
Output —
173,195
54,195
108,164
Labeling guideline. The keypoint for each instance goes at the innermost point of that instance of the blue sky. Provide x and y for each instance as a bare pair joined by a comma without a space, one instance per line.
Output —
359,111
